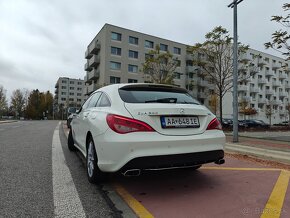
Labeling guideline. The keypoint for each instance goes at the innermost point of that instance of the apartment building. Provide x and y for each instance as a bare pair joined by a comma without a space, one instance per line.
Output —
69,92
265,87
116,55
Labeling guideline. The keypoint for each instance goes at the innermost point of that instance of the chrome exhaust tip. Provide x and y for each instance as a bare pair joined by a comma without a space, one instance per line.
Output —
220,161
132,172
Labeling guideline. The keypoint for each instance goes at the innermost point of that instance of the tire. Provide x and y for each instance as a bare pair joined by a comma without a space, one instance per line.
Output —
70,142
95,175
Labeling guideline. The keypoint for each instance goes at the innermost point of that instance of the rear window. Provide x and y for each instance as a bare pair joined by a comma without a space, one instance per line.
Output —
155,94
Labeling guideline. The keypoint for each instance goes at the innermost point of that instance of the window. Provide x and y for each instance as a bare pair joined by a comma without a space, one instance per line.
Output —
71,82
104,101
63,87
177,75
163,47
114,80
132,81
71,99
115,51
63,81
79,89
63,93
133,54
79,100
63,99
148,56
176,50
94,99
71,93
79,94
133,40
149,44
71,88
116,36
115,65
178,62
79,83
133,68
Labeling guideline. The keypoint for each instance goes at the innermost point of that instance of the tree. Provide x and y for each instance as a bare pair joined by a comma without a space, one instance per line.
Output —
270,111
280,37
18,102
215,59
160,66
3,101
40,105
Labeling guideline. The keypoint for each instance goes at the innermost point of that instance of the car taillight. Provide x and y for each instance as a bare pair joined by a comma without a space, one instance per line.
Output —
214,124
124,125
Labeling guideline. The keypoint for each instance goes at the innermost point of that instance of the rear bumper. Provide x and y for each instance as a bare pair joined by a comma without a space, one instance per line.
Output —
176,160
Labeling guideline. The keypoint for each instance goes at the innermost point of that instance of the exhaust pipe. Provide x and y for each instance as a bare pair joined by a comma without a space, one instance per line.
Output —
220,161
132,172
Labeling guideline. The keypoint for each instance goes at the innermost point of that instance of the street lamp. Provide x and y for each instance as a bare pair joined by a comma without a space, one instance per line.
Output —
234,5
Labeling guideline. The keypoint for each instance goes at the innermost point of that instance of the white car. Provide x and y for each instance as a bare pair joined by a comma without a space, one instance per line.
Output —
134,127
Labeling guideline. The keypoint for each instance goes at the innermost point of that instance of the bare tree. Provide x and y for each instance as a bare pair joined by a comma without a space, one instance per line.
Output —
215,59
270,111
18,102
3,101
160,66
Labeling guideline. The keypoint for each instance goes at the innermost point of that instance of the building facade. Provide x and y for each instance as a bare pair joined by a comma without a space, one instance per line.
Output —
69,92
116,55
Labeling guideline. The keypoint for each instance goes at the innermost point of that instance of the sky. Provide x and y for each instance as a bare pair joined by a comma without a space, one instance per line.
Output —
42,40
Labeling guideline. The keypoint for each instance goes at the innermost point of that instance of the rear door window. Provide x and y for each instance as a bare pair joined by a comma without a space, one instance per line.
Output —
94,99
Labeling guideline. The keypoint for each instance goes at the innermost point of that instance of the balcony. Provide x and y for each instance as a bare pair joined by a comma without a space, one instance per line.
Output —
287,86
87,67
242,88
92,88
261,62
283,94
269,92
283,113
262,81
245,78
93,74
276,102
245,57
276,84
254,90
245,99
191,69
276,66
201,95
282,76
269,73
254,70
211,86
201,82
94,61
94,47
263,101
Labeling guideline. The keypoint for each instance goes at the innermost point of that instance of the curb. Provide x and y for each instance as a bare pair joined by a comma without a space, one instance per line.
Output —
258,137
8,121
268,154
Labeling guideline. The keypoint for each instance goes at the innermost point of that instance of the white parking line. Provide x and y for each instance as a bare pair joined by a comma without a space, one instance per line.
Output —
65,196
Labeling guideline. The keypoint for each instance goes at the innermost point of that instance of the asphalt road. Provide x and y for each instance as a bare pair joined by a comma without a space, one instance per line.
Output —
28,185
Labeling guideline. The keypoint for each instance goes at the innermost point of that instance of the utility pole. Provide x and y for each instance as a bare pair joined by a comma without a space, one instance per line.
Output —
234,5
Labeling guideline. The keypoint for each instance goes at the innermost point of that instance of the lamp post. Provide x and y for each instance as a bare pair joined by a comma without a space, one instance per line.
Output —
234,5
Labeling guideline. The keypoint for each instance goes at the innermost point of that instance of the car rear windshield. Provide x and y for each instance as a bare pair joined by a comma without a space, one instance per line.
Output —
155,94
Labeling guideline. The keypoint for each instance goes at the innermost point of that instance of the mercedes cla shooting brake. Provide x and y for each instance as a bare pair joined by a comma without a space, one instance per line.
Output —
134,127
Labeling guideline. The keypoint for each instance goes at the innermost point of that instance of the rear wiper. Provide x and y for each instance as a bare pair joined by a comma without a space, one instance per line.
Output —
187,102
163,100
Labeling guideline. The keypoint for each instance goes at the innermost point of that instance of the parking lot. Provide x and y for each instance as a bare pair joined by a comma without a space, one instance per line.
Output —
236,189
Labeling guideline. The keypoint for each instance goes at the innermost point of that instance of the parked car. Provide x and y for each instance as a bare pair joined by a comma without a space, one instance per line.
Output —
256,124
227,122
133,127
71,114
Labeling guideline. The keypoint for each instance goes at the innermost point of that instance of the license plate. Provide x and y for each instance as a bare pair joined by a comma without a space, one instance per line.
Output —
180,122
